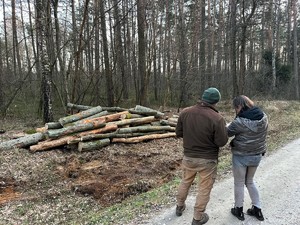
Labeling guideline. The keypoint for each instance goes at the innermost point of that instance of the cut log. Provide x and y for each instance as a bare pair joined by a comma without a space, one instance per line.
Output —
135,121
53,125
173,120
103,113
93,145
133,116
78,107
22,141
114,109
143,138
55,133
105,119
146,111
110,135
41,129
145,129
169,123
107,128
48,144
98,115
80,115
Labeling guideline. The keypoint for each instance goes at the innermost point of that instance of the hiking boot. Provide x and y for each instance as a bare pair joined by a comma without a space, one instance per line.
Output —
179,210
238,213
254,211
203,220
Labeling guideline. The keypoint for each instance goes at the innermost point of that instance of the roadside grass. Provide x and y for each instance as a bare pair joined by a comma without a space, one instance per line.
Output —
284,126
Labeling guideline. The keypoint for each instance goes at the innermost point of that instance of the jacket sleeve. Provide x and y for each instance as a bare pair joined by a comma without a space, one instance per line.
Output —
221,136
179,128
233,129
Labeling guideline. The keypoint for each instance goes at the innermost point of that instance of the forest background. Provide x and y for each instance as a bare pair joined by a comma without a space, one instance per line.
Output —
152,53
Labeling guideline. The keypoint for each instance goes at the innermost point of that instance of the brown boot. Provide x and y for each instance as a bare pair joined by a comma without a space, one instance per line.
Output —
179,210
203,220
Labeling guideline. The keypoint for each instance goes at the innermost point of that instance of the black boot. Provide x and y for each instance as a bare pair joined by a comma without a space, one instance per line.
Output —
238,213
254,211
179,210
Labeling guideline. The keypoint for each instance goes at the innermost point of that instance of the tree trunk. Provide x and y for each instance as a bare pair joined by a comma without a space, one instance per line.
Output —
233,47
80,115
183,63
22,142
105,119
143,138
146,111
245,24
119,50
202,51
48,144
55,133
135,121
295,43
141,17
108,74
93,145
144,128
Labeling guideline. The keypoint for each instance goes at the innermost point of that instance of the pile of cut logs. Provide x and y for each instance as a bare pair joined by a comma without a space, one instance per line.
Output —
94,127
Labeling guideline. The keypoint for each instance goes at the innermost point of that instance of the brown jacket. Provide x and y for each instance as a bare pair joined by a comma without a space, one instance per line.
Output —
203,131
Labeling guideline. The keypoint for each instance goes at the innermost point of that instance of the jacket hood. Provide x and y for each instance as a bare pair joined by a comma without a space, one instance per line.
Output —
255,125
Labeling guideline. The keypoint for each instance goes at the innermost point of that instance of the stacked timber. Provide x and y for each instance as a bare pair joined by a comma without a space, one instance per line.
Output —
92,128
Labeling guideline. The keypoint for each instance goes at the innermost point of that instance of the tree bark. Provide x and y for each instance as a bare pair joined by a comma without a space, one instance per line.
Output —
75,138
144,129
146,111
135,121
108,74
55,133
295,43
93,145
141,17
80,115
48,144
143,138
22,142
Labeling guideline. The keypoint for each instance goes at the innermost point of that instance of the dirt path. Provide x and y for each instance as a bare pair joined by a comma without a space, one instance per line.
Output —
278,179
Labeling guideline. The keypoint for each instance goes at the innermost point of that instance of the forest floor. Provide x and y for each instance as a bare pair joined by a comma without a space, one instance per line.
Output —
63,186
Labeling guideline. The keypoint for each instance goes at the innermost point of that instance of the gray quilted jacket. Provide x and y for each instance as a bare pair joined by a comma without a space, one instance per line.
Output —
249,134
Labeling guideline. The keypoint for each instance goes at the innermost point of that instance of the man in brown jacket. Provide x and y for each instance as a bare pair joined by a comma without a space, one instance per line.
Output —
203,131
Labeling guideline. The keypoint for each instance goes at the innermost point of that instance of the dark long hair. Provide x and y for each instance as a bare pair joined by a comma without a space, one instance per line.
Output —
243,101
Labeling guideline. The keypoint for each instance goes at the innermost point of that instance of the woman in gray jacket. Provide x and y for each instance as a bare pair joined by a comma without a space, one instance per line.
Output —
249,129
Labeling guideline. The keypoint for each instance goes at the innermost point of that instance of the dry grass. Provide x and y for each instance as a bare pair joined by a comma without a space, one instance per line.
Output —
42,188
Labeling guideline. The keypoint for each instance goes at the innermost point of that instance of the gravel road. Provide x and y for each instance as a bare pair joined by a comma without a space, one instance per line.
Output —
278,180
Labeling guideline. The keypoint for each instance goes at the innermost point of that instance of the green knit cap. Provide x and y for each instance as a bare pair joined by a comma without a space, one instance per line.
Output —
211,95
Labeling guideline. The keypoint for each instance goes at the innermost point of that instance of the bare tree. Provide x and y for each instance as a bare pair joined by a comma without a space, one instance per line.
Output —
121,66
43,21
233,27
16,52
245,23
141,16
108,74
295,49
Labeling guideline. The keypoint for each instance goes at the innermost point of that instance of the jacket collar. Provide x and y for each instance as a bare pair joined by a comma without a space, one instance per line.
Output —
205,104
